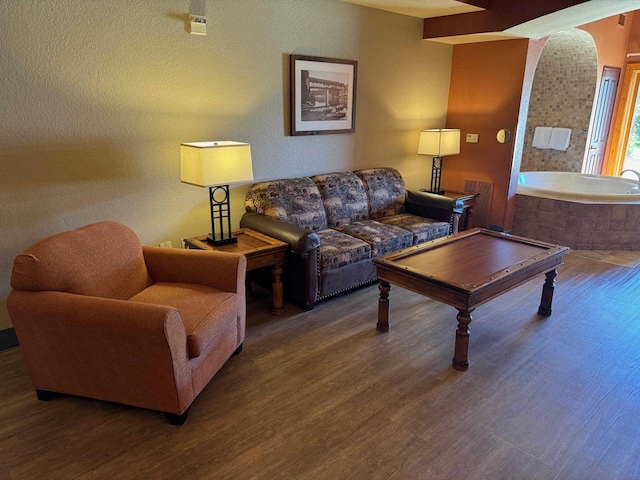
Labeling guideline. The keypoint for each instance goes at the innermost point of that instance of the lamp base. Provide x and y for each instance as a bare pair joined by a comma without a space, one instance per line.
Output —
219,240
436,172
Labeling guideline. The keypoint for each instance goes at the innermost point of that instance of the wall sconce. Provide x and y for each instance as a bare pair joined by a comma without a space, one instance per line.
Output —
438,142
217,165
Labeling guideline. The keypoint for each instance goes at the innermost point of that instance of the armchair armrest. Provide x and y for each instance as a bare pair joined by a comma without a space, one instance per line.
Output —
300,240
100,347
222,270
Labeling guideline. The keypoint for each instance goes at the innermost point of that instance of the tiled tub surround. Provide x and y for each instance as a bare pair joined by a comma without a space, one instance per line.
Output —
578,225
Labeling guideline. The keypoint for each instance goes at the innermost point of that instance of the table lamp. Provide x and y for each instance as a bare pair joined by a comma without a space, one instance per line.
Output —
217,165
438,142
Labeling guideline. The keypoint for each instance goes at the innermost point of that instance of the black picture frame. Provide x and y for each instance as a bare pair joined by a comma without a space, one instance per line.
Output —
323,95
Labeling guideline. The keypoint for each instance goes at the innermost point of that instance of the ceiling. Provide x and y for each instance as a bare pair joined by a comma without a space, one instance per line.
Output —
419,8
450,19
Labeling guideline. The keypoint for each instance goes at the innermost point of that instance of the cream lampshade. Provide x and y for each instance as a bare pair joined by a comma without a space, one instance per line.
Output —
438,142
217,165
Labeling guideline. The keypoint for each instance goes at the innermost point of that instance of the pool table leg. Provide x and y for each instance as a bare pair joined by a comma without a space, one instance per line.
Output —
461,354
547,293
383,306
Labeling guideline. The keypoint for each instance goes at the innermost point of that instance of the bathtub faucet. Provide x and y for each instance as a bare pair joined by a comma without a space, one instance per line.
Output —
632,171
637,187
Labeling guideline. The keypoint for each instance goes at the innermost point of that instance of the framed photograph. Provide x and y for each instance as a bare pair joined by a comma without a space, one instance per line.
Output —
323,95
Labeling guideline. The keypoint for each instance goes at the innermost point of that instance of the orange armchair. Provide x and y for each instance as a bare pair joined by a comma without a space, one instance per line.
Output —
99,315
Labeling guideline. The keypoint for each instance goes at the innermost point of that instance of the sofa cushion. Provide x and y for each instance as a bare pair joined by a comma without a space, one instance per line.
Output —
382,238
423,229
206,311
386,191
345,199
338,249
292,200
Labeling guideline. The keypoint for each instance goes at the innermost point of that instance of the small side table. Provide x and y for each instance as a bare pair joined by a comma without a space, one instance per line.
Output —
469,201
260,251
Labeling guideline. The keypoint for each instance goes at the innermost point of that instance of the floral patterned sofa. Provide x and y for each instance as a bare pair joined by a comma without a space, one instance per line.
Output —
336,223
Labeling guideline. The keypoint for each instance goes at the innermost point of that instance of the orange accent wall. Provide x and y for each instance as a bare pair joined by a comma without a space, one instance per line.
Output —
633,46
484,97
611,40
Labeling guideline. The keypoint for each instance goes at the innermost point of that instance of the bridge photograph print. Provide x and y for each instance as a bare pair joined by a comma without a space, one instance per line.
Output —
323,94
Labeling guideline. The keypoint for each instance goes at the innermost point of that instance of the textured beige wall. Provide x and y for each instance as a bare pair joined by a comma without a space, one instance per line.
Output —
95,98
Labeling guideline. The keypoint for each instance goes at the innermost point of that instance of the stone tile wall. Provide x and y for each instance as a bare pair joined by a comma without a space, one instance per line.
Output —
562,95
580,226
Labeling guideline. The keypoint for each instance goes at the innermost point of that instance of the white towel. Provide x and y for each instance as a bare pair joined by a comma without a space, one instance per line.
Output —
541,137
560,138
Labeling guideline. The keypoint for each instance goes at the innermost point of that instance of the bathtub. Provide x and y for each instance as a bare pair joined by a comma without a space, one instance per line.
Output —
579,187
583,212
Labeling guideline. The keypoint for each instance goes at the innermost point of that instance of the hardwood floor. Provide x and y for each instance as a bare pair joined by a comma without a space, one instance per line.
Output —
323,395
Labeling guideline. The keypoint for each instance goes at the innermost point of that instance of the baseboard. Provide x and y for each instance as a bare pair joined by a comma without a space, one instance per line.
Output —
8,339
496,228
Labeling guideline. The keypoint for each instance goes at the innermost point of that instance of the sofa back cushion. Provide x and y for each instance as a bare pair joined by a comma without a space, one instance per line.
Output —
385,191
102,259
344,197
292,200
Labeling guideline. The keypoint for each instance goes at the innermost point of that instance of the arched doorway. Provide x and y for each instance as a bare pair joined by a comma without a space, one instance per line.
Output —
562,95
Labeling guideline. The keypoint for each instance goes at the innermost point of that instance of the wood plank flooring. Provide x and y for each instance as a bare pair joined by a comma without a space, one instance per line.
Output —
323,395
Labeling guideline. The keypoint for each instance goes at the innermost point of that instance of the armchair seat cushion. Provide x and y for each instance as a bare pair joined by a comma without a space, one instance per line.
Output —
205,311
338,249
423,229
382,238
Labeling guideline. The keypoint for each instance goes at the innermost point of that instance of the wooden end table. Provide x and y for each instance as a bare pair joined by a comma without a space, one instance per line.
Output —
260,251
465,270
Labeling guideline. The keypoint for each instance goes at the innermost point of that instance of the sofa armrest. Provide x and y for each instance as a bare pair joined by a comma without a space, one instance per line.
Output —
222,270
300,240
433,200
438,207
100,347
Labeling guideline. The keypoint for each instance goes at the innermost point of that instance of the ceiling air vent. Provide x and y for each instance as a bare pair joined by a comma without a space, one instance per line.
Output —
622,18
